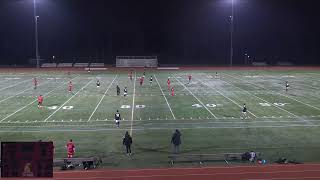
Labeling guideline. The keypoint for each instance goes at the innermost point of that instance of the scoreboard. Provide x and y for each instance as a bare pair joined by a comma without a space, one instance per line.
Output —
27,159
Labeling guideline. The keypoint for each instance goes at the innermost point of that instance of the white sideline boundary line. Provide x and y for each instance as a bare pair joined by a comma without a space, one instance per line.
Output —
164,97
22,92
143,129
276,93
15,84
155,122
200,121
196,98
206,120
264,100
133,96
30,103
102,97
67,101
226,97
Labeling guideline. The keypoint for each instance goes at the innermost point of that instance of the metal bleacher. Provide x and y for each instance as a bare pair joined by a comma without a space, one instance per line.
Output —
65,65
259,64
81,65
77,65
49,65
98,65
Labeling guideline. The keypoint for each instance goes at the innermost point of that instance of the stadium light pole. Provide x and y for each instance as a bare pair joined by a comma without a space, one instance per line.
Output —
231,32
36,31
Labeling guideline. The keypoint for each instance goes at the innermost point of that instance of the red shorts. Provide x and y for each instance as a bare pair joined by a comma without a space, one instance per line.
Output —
70,154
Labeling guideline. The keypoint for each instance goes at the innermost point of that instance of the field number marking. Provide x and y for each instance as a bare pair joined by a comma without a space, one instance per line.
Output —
67,107
207,105
64,107
136,106
276,104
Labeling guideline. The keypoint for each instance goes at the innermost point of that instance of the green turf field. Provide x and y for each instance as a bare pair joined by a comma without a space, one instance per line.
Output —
207,111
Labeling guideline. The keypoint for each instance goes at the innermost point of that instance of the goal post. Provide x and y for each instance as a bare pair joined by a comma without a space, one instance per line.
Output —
136,61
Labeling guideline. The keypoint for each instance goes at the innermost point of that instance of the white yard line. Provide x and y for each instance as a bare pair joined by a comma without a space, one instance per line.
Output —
261,99
29,104
15,84
226,97
67,101
196,98
164,97
133,96
275,92
20,92
102,98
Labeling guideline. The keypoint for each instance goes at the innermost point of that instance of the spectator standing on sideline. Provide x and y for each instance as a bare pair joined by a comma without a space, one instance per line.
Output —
176,141
70,149
127,141
252,156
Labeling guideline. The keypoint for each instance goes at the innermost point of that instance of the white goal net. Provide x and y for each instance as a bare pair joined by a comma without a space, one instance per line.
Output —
136,61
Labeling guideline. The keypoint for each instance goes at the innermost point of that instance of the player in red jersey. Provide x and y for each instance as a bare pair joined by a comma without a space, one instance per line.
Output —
35,83
130,75
189,77
141,80
40,101
168,83
172,91
70,86
70,149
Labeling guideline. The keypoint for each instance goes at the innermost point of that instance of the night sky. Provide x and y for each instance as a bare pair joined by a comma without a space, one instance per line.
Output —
178,31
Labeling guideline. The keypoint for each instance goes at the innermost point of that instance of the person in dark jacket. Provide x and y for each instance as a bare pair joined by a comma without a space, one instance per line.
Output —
176,141
127,141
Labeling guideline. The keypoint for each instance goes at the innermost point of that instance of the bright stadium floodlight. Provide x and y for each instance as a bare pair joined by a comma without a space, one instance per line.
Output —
36,31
